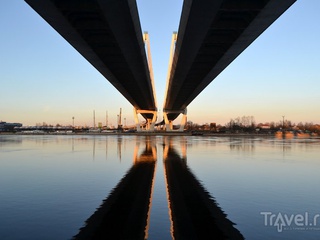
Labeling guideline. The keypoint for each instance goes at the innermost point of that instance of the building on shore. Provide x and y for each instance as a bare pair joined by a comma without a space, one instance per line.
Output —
8,127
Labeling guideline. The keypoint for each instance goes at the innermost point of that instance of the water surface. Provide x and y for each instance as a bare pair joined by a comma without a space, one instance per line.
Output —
58,187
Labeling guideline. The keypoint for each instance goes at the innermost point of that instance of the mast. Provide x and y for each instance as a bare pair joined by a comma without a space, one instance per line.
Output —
119,119
94,119
107,119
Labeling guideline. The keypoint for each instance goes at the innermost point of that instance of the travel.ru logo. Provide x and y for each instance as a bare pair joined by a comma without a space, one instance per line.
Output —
283,221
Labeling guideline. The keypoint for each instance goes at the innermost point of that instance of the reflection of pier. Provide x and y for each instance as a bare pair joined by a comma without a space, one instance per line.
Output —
194,214
125,213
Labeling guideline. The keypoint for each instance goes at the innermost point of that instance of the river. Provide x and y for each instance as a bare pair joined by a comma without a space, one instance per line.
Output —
159,187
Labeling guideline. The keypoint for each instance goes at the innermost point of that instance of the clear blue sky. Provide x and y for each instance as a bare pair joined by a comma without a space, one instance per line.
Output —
43,79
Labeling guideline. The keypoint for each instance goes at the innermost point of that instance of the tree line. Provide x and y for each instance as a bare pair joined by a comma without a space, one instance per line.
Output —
247,124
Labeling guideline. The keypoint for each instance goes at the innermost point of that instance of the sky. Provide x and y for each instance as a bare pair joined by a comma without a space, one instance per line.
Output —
44,79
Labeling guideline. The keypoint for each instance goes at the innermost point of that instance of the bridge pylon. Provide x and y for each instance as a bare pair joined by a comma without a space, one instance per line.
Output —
169,123
149,127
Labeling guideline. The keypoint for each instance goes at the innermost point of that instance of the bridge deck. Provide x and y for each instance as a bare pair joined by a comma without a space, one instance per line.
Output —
108,34
211,35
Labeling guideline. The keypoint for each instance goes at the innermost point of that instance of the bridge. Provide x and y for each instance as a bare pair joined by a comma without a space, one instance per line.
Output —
108,34
210,36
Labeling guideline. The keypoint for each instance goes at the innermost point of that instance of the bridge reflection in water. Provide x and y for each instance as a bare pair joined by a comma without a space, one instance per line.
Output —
193,212
125,214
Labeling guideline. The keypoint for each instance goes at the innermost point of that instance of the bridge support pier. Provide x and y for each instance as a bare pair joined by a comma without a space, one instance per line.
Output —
150,121
169,123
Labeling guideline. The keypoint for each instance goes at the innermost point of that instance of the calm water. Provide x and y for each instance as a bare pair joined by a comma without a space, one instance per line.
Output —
53,186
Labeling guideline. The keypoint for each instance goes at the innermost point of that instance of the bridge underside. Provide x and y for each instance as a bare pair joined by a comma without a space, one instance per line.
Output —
211,35
108,34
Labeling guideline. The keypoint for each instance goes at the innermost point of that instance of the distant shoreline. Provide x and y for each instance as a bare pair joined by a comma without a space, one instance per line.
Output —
153,134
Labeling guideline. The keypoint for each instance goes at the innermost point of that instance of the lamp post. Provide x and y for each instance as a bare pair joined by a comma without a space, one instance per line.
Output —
73,122
283,122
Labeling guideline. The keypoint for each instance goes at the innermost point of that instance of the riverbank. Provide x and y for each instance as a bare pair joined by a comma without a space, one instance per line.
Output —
139,134
164,134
